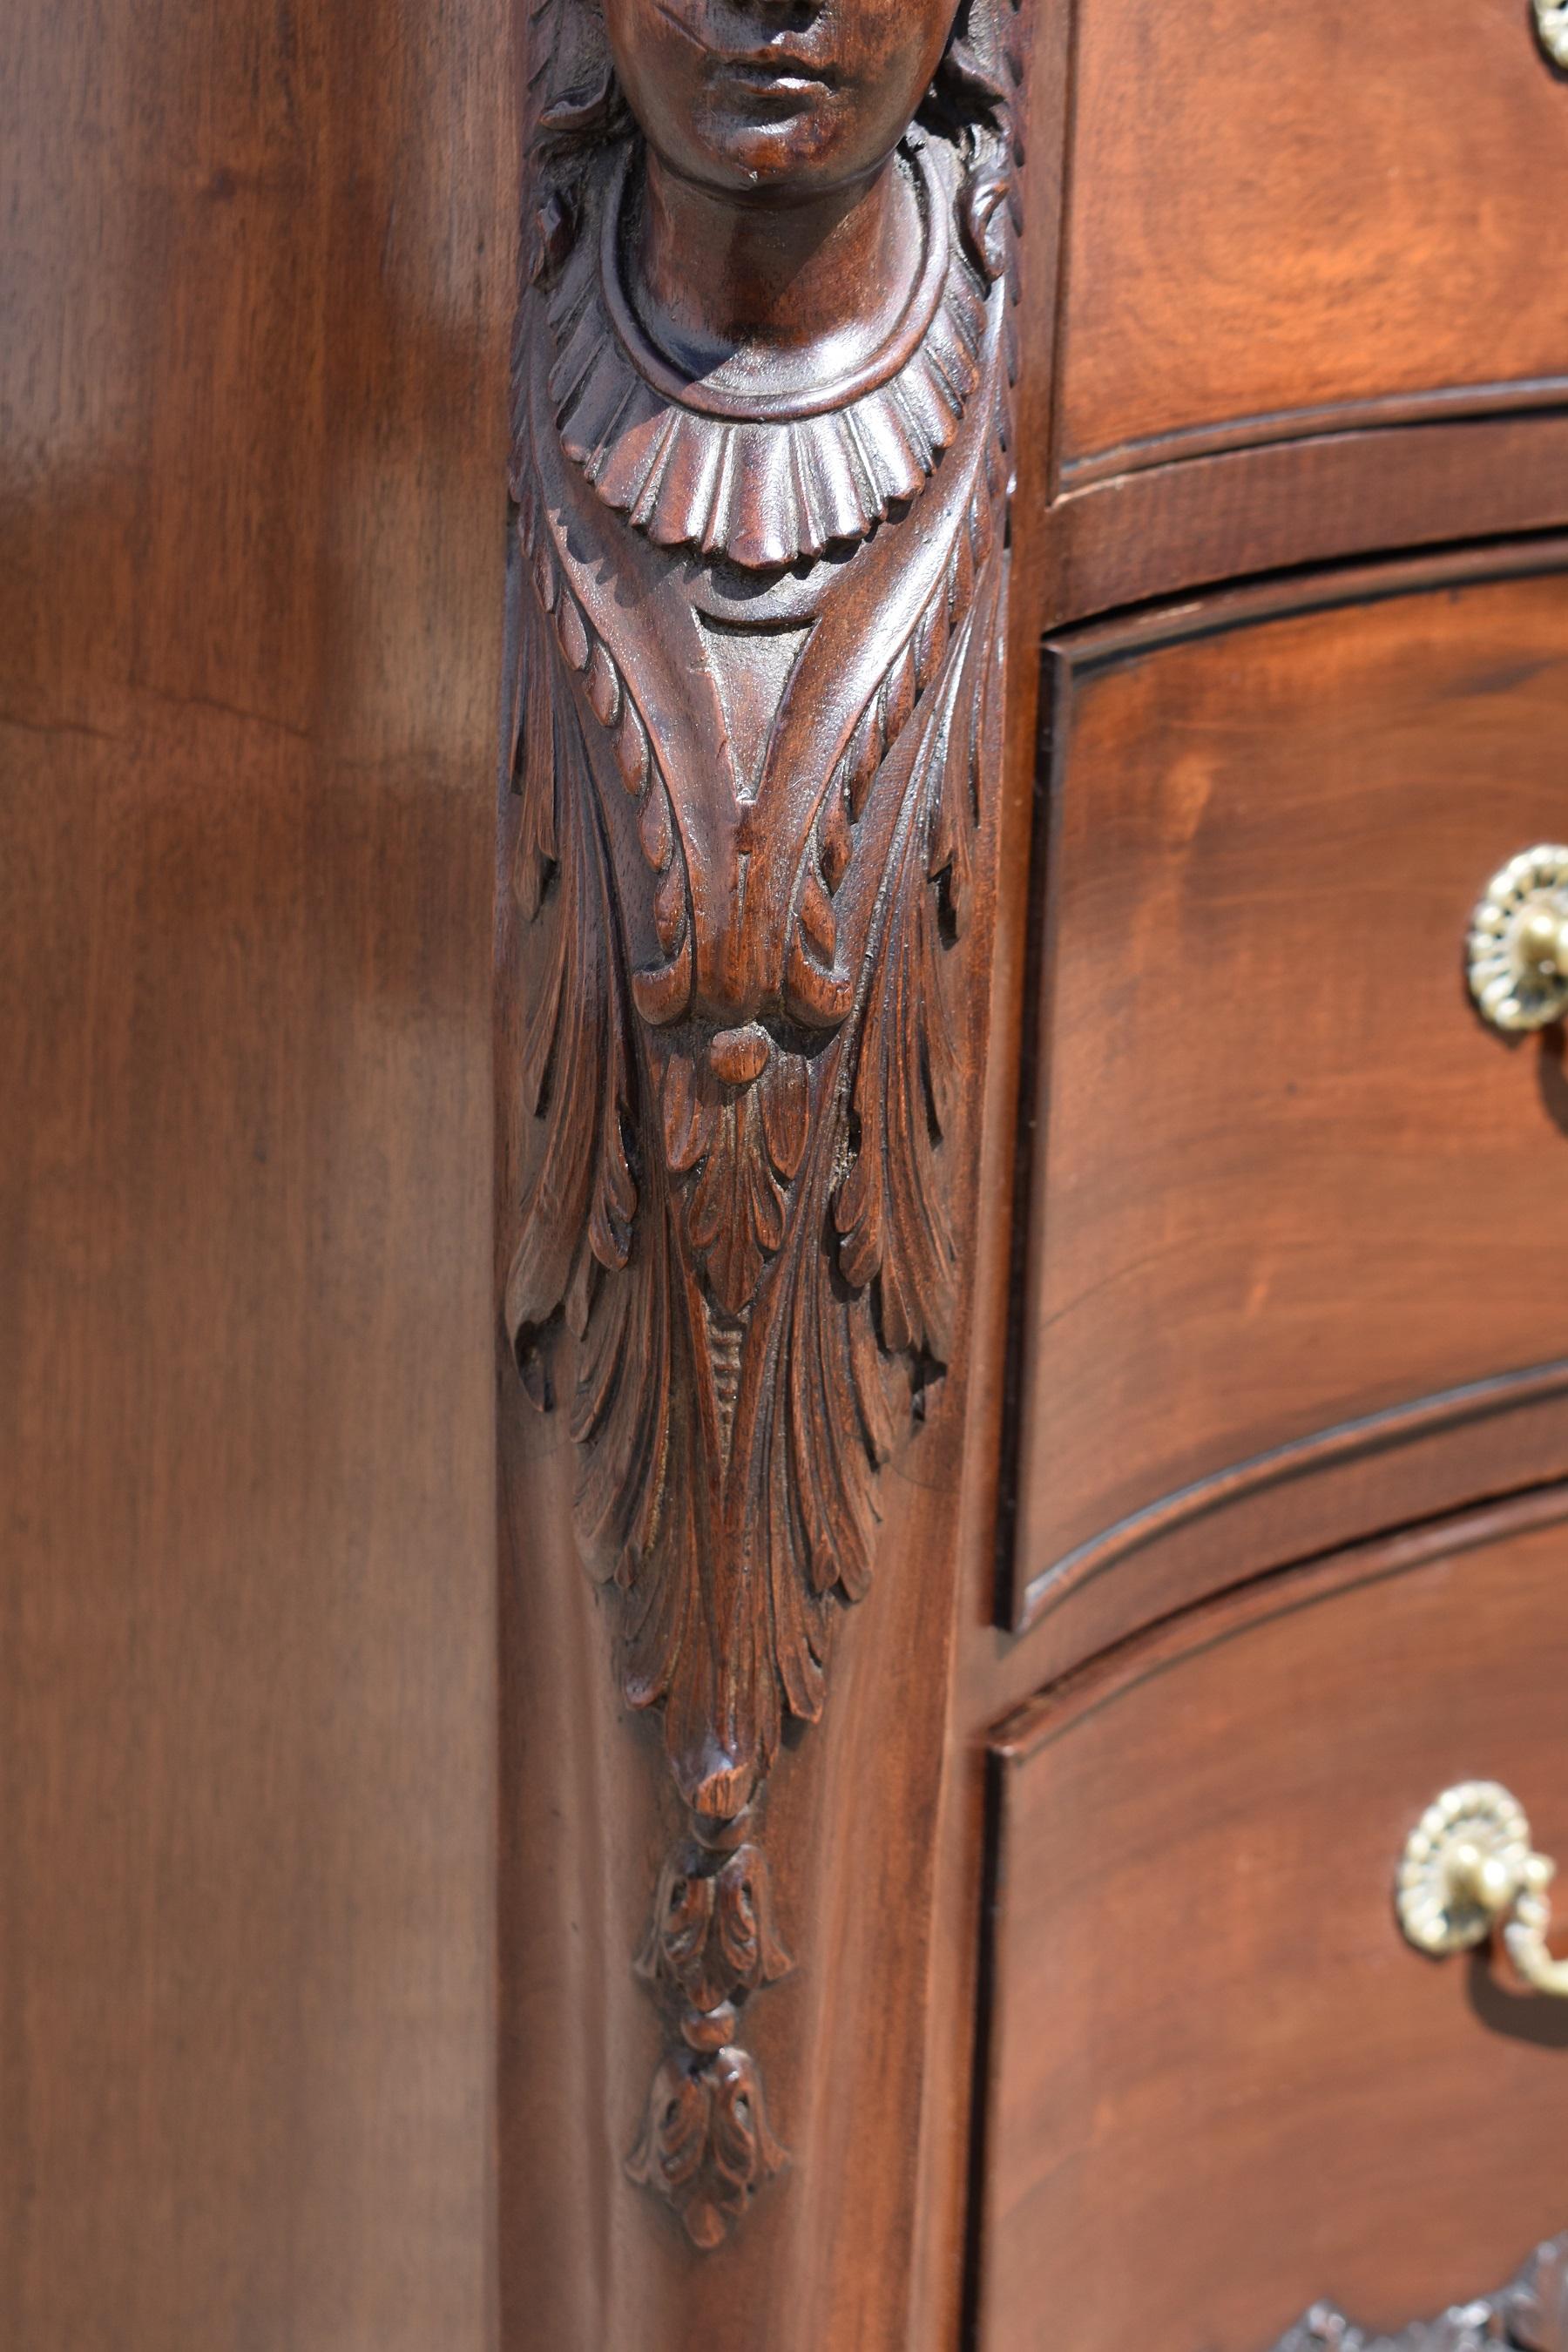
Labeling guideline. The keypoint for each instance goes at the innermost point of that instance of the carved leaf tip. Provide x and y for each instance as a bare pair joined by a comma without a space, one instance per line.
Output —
706,2145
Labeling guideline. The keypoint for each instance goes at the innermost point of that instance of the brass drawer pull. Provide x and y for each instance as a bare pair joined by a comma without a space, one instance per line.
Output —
1552,24
1519,935
1468,1869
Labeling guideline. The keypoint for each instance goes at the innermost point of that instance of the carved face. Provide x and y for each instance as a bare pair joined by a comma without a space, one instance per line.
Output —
794,98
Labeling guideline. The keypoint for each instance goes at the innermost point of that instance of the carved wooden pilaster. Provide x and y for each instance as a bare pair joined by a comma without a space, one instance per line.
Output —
761,470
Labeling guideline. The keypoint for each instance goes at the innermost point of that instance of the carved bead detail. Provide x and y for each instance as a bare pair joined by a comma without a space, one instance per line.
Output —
707,2144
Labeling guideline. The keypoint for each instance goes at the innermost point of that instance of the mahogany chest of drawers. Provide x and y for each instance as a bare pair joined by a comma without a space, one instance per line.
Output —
787,1500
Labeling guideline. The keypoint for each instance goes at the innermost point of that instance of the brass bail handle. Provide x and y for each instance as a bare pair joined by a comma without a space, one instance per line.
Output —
1552,24
1519,935
1469,1868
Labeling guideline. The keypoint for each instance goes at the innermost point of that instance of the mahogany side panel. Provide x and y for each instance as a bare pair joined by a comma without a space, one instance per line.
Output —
252,398
1222,2086
938,2316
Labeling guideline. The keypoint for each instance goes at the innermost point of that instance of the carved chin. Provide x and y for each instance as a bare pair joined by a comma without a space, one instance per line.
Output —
785,137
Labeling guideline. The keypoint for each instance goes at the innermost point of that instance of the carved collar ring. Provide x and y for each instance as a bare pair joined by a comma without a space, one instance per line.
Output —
763,478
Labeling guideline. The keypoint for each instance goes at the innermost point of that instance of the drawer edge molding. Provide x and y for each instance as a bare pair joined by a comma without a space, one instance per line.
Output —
1443,403
1330,499
1056,1706
1347,1442
756,617
1530,2314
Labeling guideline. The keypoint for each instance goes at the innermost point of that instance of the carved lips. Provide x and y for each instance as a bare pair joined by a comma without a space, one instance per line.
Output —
783,77
782,57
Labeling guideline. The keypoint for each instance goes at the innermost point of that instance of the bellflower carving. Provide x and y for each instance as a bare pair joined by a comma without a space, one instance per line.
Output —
760,470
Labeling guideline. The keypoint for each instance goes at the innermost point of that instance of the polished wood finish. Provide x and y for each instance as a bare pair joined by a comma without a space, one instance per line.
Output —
1286,220
1265,1223
826,2255
822,2263
1221,2085
252,382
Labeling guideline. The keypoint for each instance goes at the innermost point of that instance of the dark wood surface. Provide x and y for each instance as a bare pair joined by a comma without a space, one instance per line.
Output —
1278,1168
1288,220
1222,2088
257,287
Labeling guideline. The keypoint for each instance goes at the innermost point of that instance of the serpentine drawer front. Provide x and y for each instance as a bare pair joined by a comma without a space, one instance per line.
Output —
1289,219
1224,2088
1294,1189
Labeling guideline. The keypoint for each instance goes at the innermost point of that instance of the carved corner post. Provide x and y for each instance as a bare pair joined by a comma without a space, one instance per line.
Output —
761,467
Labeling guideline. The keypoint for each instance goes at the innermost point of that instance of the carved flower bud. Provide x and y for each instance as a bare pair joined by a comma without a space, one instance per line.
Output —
712,1935
706,2145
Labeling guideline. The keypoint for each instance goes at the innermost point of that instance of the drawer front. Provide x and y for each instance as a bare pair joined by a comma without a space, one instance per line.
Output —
1286,218
1297,1216
1222,2088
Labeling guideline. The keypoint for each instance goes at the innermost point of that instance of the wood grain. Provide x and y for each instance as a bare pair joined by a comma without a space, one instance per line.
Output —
1284,1181
1285,217
252,381
1222,2086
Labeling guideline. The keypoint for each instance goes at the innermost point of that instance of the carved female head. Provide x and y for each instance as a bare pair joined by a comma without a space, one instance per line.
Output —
786,98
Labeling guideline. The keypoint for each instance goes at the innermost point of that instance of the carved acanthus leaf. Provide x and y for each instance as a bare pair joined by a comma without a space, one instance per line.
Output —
684,1173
